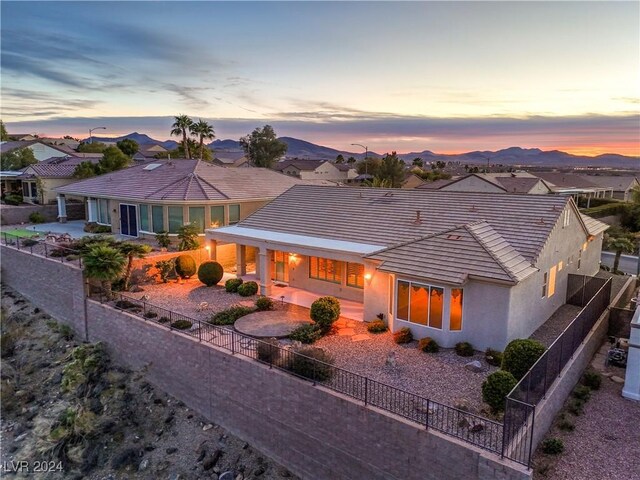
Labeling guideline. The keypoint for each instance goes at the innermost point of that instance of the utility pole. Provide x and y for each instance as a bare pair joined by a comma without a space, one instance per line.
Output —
366,155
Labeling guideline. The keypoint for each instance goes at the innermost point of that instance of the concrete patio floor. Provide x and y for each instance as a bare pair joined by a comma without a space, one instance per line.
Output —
270,323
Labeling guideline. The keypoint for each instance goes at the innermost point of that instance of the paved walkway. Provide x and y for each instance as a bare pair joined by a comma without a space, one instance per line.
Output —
273,323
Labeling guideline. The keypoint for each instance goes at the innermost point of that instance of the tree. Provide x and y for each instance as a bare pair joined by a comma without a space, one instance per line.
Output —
95,147
369,165
181,125
17,159
351,160
619,245
418,162
378,182
132,251
392,169
202,130
128,147
179,152
85,170
113,159
4,136
339,159
262,147
105,263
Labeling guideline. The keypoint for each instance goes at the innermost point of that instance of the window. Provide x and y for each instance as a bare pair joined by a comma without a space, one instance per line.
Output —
104,216
25,189
157,219
196,217
551,288
355,275
566,217
176,219
420,304
217,216
455,310
325,269
144,218
544,284
34,190
234,214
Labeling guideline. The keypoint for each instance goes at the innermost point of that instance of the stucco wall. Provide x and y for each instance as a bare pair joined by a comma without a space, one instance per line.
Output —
14,215
299,278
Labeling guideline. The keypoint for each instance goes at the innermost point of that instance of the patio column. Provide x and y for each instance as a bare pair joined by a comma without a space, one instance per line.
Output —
62,208
212,247
264,261
241,260
92,210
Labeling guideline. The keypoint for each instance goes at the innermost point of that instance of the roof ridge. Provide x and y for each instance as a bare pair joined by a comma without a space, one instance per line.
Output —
487,249
200,179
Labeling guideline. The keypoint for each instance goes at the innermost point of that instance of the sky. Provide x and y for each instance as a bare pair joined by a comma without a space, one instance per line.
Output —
442,76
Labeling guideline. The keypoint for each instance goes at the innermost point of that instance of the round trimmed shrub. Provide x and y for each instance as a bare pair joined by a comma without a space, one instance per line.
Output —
36,217
592,380
377,326
264,303
247,289
520,355
403,335
428,345
493,357
552,446
307,333
496,387
182,324
464,349
185,266
231,285
325,311
230,315
210,273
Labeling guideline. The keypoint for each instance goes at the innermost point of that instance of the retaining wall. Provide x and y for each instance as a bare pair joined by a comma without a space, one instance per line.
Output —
17,214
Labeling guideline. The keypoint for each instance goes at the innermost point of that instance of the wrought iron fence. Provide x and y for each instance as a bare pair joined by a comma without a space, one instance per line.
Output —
474,429
43,247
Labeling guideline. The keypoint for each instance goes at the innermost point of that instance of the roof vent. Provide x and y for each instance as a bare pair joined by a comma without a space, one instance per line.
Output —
152,166
388,194
541,222
417,221
454,237
473,208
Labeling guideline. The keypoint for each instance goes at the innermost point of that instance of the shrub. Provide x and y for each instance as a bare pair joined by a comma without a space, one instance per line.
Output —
565,424
13,199
520,355
264,303
232,285
268,350
164,320
210,273
552,446
182,324
163,239
247,289
126,305
496,387
93,227
403,335
592,380
377,326
493,357
185,266
307,333
428,345
581,392
29,242
36,217
230,315
464,349
325,311
165,269
188,236
575,406
150,315
312,363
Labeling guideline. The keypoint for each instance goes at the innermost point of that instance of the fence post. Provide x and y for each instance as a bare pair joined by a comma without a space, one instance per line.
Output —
426,425
546,366
504,426
18,242
233,343
533,423
46,250
314,371
366,390
199,331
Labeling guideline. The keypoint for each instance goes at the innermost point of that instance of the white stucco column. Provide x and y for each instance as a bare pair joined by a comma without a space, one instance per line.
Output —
631,388
241,260
212,247
264,261
92,210
62,208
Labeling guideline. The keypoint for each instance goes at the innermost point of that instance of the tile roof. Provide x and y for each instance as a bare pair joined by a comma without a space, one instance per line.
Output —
436,184
184,180
303,164
593,226
517,184
566,180
617,183
56,167
453,255
13,145
388,216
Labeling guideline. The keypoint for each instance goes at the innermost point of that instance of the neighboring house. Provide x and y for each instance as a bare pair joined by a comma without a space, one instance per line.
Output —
67,142
317,170
230,159
148,151
631,388
412,181
574,185
622,186
456,266
519,182
41,151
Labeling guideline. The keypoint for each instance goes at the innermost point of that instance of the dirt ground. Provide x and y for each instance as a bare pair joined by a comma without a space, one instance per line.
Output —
68,412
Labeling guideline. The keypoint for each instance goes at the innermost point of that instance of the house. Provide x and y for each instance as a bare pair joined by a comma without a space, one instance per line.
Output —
41,150
574,185
230,159
516,182
455,266
317,170
412,180
631,388
621,186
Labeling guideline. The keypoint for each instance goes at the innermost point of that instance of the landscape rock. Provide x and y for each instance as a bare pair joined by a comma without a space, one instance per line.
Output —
143,465
474,366
391,360
208,426
616,379
226,476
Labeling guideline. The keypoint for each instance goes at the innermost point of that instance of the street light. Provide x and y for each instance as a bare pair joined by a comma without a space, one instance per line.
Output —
366,155
92,129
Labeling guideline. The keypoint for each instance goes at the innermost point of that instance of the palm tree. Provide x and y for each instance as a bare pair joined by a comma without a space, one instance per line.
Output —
180,126
104,263
619,245
203,130
132,251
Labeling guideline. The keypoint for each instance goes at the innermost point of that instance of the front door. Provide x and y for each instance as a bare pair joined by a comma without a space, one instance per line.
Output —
279,267
128,220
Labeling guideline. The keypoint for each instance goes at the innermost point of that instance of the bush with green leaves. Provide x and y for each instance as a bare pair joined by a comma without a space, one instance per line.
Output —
565,424
493,357
232,285
496,388
268,350
163,239
403,335
581,392
188,237
592,380
185,266
264,303
29,242
210,273
324,312
150,315
165,269
520,355
230,315
377,326
164,320
13,199
312,363
428,345
248,289
552,446
575,406
36,217
306,333
464,349
182,324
